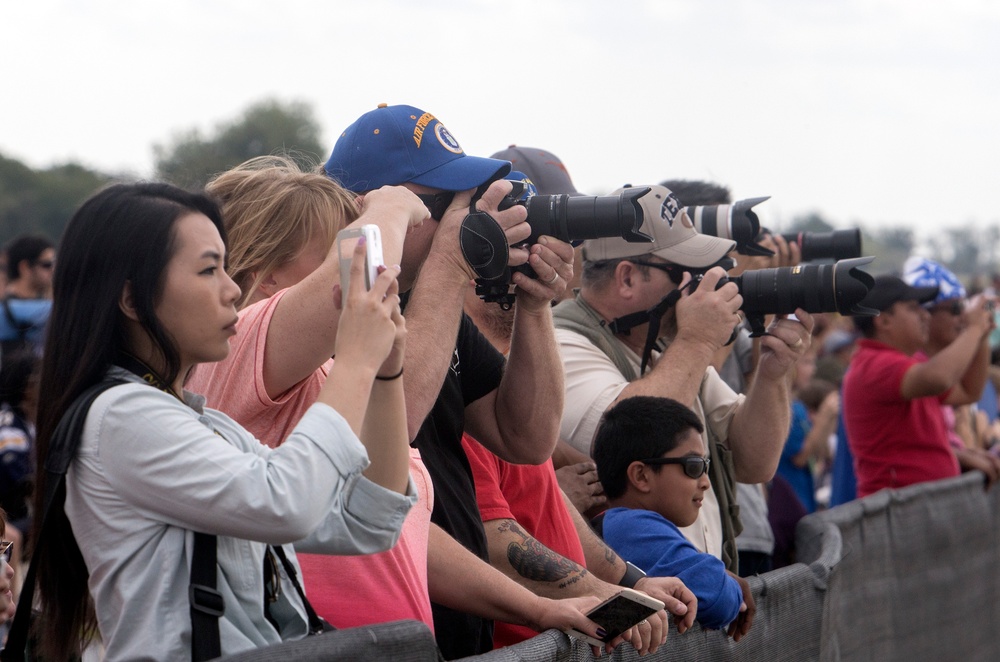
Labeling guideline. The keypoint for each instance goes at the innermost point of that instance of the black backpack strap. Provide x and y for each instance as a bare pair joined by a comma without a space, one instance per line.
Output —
316,624
206,602
64,444
207,605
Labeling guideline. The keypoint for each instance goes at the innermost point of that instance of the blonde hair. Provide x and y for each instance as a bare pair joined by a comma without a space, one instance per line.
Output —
272,211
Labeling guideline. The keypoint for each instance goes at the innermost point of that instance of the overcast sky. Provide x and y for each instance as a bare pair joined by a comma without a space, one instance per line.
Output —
876,111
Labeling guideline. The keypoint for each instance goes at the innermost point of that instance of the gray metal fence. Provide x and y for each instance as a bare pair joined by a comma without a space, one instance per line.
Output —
906,575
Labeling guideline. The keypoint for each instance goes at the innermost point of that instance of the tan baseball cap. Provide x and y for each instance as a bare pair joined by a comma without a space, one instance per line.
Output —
674,237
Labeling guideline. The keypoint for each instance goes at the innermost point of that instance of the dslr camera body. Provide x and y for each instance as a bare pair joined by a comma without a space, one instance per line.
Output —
572,219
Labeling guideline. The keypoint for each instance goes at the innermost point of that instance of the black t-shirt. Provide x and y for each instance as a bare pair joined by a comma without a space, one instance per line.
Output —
476,369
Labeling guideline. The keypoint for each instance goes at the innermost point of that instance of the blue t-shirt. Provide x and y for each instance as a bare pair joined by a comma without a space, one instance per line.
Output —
988,401
656,545
800,478
843,483
29,318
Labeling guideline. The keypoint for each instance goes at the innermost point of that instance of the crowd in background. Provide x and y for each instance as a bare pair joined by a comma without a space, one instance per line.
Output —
355,455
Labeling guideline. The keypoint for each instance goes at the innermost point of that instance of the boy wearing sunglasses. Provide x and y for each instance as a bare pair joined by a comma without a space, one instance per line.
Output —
650,459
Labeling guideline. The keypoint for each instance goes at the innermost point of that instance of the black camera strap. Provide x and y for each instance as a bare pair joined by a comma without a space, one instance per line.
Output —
484,245
654,316
483,241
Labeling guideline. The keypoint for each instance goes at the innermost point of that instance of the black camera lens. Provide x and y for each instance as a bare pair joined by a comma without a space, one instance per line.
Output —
576,218
815,288
836,245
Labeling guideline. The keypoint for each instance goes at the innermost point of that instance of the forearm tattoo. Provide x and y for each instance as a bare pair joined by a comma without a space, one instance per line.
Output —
536,562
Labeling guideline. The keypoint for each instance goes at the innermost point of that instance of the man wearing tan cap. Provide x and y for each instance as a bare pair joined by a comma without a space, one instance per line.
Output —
602,335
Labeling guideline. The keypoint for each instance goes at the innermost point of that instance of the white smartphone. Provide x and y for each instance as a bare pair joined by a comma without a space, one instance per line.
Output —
347,240
618,613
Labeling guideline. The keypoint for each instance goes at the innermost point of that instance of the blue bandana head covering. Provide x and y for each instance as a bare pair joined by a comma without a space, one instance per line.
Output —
921,272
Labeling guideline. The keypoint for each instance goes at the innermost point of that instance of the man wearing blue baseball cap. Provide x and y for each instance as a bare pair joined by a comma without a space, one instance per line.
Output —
948,318
455,380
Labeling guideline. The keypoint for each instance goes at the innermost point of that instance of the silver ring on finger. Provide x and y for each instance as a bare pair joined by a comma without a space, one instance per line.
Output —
797,343
554,278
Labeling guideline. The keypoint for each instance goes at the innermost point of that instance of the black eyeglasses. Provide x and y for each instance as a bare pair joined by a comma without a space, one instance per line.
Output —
694,467
675,272
437,203
5,550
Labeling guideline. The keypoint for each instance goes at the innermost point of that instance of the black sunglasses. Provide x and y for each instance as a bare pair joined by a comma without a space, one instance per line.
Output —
694,467
675,272
437,203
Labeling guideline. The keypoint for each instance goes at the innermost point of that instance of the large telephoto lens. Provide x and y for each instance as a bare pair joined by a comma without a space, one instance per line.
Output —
737,222
836,245
815,288
575,218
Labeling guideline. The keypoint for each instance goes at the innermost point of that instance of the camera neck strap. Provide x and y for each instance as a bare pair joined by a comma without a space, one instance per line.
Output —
148,375
654,317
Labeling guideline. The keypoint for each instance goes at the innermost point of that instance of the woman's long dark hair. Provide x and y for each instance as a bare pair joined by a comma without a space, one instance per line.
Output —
123,234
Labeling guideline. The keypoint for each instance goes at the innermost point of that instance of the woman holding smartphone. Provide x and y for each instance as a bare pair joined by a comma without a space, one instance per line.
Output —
141,295
282,223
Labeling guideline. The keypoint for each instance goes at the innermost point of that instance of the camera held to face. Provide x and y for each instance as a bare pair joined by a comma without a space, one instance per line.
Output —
572,219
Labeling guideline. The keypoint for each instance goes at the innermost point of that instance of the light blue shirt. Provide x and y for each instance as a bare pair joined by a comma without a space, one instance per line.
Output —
151,470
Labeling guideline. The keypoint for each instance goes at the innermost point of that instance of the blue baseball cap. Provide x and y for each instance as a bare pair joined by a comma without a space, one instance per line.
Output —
394,145
530,190
921,272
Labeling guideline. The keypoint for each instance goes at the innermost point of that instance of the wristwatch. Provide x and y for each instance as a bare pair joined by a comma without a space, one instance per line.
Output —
632,576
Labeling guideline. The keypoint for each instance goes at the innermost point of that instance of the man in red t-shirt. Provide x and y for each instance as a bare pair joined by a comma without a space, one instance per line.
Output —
892,400
535,534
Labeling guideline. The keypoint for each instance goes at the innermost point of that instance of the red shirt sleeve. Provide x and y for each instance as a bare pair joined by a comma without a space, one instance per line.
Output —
487,473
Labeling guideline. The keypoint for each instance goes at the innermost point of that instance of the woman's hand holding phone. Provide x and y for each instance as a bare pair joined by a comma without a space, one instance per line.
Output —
369,330
369,348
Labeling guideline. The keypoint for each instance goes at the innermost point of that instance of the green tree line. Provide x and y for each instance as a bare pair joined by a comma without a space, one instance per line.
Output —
43,200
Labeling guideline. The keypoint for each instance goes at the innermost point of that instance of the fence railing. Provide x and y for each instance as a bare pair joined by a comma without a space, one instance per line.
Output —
905,575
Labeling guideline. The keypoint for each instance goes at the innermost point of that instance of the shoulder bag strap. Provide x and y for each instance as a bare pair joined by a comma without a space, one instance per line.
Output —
207,604
316,624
